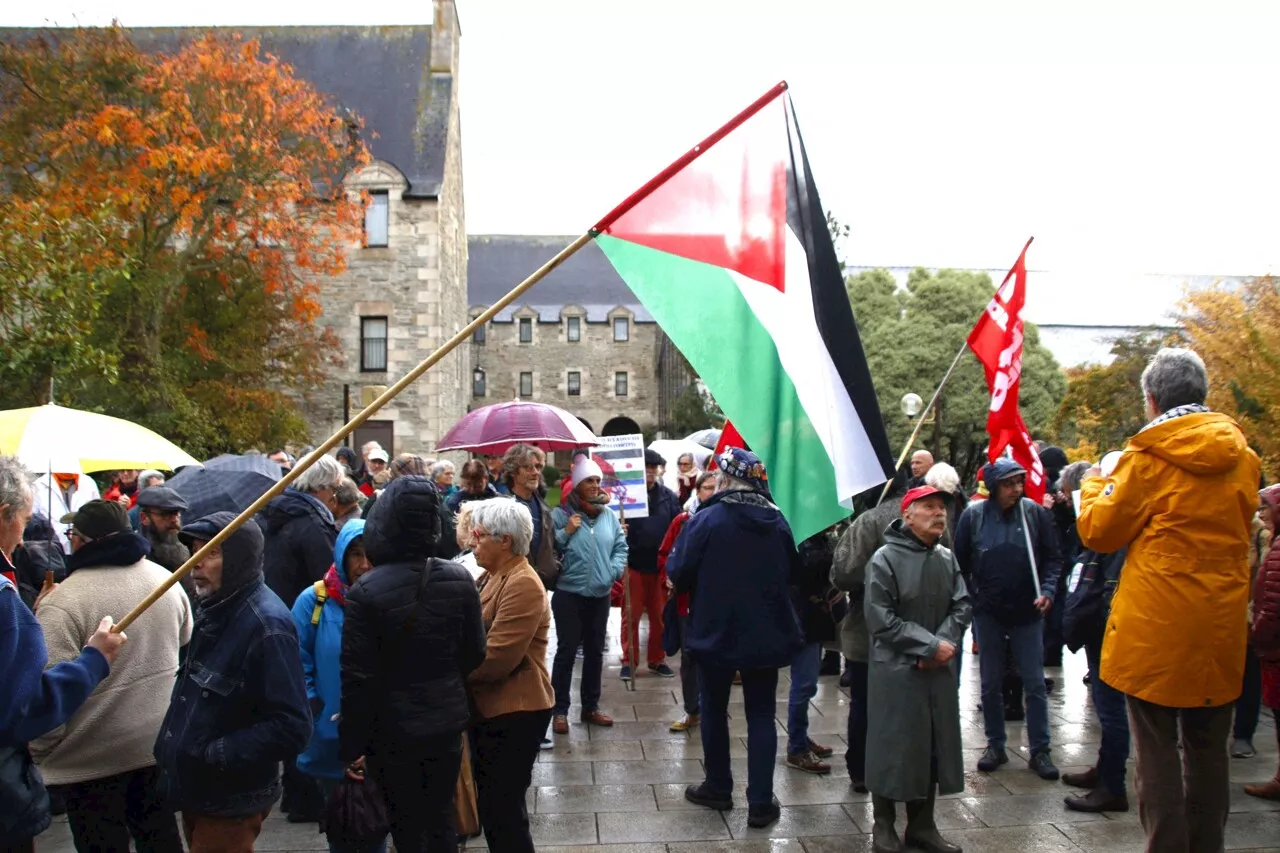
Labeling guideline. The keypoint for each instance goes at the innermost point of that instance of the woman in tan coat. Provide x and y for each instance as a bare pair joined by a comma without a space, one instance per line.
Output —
511,690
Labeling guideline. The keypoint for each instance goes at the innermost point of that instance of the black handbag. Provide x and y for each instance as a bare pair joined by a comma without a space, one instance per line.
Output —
356,812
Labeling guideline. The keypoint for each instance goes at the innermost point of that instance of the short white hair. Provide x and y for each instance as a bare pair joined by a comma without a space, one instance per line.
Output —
505,517
1176,377
150,474
942,477
444,466
729,483
325,473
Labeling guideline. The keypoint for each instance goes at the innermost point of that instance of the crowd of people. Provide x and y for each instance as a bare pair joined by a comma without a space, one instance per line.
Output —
382,629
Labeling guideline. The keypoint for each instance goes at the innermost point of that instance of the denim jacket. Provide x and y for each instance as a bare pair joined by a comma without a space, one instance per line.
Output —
239,708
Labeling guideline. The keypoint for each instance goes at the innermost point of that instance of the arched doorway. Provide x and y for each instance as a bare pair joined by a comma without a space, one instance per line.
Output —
621,426
586,423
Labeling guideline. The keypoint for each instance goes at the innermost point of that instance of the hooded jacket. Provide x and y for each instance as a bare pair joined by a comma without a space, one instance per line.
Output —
115,729
239,706
413,632
1265,635
991,547
645,535
593,557
320,642
737,557
1182,498
299,535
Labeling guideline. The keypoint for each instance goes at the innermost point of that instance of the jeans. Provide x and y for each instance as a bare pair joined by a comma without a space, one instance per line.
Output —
213,834
688,674
1183,798
419,790
759,689
1026,645
804,686
105,813
1249,705
855,757
327,787
580,621
1113,716
648,595
505,749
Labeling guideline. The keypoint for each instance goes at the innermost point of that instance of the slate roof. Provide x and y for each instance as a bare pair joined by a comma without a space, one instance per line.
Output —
382,74
497,263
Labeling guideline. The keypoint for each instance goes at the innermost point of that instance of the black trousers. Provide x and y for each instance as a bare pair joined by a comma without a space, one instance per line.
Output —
419,789
506,748
302,797
105,813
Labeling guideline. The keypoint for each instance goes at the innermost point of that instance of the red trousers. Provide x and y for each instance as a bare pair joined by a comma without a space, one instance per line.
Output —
648,595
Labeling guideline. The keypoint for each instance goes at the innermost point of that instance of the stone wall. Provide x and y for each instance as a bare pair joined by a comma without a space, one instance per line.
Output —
550,357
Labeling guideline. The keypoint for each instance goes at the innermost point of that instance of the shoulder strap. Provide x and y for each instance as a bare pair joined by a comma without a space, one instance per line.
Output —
322,595
417,599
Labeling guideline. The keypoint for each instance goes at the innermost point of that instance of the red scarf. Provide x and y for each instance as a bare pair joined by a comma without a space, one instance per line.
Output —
334,587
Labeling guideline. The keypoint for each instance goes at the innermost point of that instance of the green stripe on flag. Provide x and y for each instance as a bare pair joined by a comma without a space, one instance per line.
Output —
700,307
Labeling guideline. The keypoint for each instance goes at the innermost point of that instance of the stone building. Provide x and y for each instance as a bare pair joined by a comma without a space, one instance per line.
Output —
579,339
404,291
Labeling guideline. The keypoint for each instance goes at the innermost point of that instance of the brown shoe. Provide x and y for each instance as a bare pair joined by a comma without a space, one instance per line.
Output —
1266,791
808,762
820,751
595,718
560,724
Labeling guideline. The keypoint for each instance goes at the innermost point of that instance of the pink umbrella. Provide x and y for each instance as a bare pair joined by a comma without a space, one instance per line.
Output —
493,429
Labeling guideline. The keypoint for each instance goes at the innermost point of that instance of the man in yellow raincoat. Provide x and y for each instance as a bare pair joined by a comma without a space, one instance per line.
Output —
1181,497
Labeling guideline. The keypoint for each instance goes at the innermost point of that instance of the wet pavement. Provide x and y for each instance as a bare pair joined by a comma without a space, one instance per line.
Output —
620,790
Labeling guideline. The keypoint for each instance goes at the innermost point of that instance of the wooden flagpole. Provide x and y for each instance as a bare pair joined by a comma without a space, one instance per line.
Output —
364,415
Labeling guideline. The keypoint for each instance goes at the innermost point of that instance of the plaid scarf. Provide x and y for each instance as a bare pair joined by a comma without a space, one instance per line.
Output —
1177,412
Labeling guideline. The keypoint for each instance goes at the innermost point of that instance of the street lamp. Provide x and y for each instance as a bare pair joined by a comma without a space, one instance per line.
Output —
911,404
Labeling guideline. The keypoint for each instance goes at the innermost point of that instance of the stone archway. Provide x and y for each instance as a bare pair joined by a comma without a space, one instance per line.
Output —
621,425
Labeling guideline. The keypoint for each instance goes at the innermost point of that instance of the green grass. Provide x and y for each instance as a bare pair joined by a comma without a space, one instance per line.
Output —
553,497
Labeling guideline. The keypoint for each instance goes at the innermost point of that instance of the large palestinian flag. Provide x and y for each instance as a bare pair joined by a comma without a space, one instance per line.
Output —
728,248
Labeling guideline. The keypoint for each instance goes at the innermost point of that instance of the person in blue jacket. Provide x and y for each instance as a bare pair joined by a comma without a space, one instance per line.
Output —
594,552
738,559
35,700
318,615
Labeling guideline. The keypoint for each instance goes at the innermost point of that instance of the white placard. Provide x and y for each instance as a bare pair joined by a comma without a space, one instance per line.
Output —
621,458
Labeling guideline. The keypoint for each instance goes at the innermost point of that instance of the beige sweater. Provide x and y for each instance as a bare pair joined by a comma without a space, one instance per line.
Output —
115,730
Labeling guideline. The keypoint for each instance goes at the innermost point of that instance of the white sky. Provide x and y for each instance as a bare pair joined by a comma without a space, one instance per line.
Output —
1124,136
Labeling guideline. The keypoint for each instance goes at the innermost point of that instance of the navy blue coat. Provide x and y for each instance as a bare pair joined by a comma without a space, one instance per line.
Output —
738,559
645,535
239,707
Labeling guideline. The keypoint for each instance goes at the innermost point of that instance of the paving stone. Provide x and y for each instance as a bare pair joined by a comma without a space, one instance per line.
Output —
838,844
598,751
948,814
1014,839
647,773
596,798
771,845
636,731
605,848
1247,831
701,825
795,820
1025,810
563,773
1106,836
1242,802
562,829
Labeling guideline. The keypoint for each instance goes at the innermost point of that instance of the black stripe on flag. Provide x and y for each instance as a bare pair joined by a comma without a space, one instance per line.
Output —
833,313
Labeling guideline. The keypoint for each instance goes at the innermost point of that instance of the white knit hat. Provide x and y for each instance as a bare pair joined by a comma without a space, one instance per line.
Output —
584,467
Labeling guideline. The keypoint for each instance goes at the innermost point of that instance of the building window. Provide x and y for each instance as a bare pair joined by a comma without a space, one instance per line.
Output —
620,383
526,384
373,344
573,329
526,330
478,383
376,217
478,336
621,329
575,383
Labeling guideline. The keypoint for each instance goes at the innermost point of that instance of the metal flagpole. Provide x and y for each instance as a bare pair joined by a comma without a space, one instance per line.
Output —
364,415
920,421
1031,551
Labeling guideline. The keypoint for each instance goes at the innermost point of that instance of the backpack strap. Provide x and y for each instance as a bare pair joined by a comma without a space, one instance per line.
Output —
322,595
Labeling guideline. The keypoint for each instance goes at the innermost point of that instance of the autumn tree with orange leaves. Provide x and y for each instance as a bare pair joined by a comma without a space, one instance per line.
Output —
167,221
1237,333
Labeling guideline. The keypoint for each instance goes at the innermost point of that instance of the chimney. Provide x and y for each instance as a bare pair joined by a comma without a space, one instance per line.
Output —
444,38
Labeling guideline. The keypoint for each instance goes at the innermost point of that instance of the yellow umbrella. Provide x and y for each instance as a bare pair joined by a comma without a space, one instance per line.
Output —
53,438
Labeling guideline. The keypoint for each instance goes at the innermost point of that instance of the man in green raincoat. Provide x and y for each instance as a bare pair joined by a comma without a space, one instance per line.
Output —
917,609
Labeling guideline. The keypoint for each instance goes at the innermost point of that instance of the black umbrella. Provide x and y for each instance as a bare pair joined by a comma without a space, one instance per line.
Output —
226,483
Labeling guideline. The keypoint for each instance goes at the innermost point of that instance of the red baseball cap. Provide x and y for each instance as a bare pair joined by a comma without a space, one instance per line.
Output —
922,492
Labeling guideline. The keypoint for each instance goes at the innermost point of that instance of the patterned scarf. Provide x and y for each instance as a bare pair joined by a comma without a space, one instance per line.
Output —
1177,412
335,588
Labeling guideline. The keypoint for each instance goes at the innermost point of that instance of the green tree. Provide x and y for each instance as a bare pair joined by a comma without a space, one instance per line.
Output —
911,336
693,410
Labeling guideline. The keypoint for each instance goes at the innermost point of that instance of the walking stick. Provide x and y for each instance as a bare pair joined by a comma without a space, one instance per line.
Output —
334,440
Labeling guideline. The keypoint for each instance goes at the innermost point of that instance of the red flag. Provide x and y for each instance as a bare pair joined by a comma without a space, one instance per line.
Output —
997,342
729,437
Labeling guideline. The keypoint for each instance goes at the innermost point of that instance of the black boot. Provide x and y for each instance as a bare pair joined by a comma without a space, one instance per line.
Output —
884,838
922,832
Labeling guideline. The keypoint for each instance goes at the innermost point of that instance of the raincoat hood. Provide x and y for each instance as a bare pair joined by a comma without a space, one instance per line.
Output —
350,532
900,536
292,504
996,471
749,510
404,524
1204,443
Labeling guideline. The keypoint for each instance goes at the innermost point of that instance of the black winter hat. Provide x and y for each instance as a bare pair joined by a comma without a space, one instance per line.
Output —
98,519
653,459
